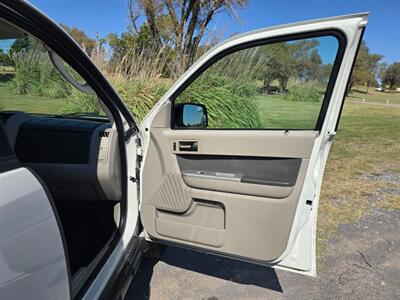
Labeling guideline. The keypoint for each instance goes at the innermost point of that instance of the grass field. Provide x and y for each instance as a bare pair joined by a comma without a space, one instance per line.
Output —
367,143
373,96
28,103
278,113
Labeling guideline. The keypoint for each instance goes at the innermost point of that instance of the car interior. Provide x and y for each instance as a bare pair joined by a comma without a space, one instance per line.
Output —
76,156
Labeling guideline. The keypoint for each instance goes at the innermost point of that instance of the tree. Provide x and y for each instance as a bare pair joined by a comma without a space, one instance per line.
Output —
86,43
120,45
21,44
365,68
373,65
391,76
382,66
311,66
284,60
180,24
306,58
280,65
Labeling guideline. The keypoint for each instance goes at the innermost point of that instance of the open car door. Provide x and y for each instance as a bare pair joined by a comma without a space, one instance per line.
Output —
234,153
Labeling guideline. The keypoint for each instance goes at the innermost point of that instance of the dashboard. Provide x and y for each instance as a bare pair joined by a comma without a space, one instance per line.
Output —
77,158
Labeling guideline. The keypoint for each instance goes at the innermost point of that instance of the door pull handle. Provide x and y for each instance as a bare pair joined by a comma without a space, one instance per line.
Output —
188,146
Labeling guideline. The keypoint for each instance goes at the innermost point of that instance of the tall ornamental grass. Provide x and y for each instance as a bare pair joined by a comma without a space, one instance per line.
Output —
228,89
36,75
304,91
226,108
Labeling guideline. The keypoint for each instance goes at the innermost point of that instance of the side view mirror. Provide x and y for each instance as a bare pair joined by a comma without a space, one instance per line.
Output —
190,115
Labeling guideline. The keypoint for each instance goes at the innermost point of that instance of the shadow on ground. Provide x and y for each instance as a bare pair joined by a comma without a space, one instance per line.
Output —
209,265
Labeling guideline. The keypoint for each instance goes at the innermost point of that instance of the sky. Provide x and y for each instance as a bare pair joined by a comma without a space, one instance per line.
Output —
104,16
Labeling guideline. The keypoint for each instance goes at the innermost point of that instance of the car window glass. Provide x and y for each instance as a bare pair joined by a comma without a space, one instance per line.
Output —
30,83
274,86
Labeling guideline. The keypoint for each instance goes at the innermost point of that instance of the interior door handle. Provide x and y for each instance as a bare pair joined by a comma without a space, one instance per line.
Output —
188,146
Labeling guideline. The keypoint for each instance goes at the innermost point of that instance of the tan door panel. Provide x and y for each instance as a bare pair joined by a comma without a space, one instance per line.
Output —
222,213
255,227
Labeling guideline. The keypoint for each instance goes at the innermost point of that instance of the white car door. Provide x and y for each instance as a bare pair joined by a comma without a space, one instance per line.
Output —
247,192
32,253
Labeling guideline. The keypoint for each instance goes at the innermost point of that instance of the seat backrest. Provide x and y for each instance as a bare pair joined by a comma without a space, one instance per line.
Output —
8,160
12,126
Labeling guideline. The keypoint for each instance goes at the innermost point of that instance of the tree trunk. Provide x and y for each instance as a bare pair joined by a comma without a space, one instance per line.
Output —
266,85
350,86
151,20
283,85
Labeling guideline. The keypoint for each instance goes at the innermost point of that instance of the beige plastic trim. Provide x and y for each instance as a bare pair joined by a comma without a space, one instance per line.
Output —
262,190
190,233
108,164
257,217
203,224
256,228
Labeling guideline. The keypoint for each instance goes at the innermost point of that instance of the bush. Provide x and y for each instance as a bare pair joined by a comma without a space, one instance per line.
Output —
79,102
228,106
36,75
300,91
245,89
139,95
51,84
26,75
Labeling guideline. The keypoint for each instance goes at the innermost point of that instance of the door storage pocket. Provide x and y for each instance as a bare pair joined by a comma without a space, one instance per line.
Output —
203,223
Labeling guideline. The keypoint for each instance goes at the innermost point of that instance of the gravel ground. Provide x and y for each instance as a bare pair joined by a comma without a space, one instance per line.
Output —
362,262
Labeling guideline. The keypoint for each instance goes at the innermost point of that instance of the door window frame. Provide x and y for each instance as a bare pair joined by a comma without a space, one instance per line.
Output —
342,44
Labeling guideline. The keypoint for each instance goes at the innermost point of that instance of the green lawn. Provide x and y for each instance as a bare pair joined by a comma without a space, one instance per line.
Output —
374,96
28,103
275,112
